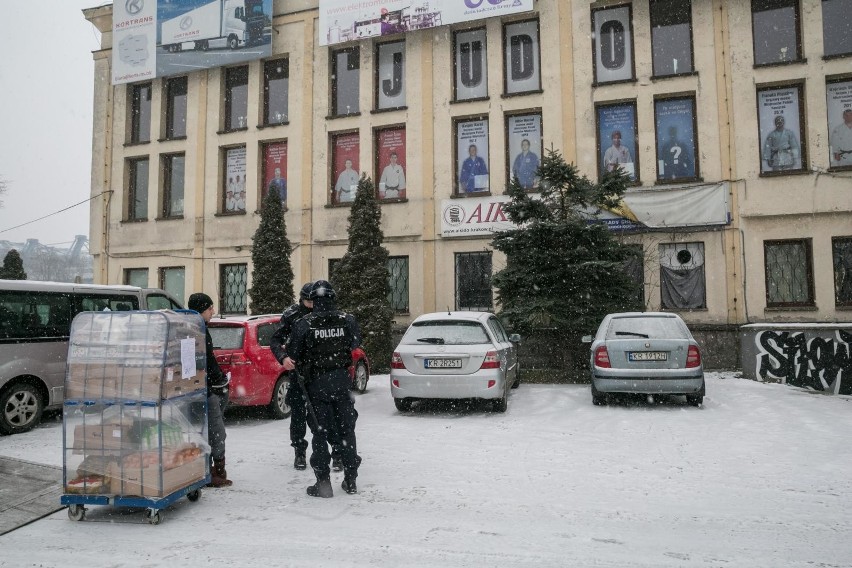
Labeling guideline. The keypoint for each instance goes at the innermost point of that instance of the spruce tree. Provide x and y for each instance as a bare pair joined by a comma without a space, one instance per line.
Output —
272,272
13,266
361,278
563,271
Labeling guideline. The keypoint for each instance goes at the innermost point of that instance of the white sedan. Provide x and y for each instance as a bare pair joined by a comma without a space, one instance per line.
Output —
455,355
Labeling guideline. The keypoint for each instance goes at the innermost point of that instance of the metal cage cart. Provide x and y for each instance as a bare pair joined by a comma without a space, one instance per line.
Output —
135,415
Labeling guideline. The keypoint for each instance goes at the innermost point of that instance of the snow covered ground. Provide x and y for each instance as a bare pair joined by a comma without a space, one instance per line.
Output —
760,476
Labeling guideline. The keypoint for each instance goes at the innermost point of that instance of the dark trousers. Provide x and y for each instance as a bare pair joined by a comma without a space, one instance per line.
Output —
216,424
336,416
298,416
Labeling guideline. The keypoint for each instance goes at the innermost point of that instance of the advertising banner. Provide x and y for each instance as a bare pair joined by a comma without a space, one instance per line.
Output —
235,180
676,149
617,147
345,167
475,216
472,156
347,20
158,38
780,129
275,170
390,153
839,104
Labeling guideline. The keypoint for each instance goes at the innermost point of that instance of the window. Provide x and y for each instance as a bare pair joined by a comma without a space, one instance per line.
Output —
618,145
345,81
612,44
176,109
391,163
234,180
671,37
398,297
841,252
136,277
140,113
522,73
97,302
838,95
523,149
789,273
473,281
276,91
160,302
236,98
274,169
470,70
173,281
775,31
173,179
682,284
345,149
836,26
390,75
233,284
781,124
28,315
137,195
677,144
472,156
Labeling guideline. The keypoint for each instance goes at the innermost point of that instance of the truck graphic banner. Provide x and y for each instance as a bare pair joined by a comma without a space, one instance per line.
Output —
346,20
159,38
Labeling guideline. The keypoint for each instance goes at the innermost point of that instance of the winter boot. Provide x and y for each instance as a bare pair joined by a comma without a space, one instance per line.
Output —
349,486
218,475
336,463
322,488
300,463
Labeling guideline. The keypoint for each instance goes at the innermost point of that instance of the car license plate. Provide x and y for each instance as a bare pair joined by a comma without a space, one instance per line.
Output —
647,356
442,363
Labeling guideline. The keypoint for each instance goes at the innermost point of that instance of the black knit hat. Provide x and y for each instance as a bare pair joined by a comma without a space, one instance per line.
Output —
199,302
322,289
305,293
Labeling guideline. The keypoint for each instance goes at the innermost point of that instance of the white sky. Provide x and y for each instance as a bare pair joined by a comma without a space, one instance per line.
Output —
46,116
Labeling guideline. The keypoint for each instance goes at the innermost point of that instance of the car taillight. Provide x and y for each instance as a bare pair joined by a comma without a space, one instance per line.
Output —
602,357
693,357
396,361
240,359
491,361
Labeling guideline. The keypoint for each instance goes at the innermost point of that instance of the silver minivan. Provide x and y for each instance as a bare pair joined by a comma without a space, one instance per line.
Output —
35,322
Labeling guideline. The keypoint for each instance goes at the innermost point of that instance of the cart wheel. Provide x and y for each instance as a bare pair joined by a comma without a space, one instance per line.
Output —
154,516
194,495
76,512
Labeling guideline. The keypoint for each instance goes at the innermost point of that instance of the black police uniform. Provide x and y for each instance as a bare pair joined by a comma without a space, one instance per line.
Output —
321,345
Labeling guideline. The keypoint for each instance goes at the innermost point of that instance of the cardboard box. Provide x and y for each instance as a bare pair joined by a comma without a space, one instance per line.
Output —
104,437
146,481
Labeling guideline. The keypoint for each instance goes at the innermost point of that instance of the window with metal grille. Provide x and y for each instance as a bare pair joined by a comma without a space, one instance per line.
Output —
789,273
236,98
398,274
173,281
233,284
137,194
176,90
473,281
140,113
841,252
276,91
136,277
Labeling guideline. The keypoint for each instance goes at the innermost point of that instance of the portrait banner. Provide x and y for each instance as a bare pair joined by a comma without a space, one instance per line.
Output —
275,170
524,143
617,144
472,156
345,149
235,180
677,159
839,109
778,112
391,165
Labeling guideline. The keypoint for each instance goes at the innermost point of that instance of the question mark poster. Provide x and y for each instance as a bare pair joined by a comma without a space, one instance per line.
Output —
676,144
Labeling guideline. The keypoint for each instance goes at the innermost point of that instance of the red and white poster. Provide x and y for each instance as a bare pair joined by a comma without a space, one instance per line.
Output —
345,167
391,168
275,169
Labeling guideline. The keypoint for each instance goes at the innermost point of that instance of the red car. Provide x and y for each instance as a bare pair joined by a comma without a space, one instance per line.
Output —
241,345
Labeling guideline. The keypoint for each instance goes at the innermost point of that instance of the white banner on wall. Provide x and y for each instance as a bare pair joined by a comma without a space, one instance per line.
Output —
475,216
346,20
134,38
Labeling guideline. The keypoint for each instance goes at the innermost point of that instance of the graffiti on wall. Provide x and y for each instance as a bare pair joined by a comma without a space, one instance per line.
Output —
806,360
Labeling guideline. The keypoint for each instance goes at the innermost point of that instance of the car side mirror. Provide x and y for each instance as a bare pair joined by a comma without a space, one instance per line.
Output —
586,339
515,338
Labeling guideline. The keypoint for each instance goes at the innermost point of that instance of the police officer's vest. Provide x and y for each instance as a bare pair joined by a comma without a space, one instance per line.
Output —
328,341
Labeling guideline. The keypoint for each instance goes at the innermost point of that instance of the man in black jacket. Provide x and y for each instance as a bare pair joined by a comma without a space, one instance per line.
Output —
217,396
320,348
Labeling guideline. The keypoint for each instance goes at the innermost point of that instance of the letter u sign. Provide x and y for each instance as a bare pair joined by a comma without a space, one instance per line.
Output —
478,3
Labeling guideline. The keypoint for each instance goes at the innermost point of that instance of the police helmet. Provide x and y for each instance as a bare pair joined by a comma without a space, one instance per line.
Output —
305,292
322,289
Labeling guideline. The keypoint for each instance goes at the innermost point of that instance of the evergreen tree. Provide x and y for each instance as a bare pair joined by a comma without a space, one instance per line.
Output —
563,273
272,273
13,267
361,278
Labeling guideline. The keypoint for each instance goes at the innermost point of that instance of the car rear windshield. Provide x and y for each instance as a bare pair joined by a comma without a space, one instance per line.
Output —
445,333
227,337
645,327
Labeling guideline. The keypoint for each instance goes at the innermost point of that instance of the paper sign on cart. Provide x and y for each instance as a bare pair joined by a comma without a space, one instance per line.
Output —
187,358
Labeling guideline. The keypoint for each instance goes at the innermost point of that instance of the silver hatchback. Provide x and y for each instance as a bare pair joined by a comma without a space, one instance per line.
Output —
454,355
645,353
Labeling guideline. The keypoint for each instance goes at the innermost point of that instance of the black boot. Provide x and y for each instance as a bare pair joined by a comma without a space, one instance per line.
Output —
336,463
349,486
300,463
322,488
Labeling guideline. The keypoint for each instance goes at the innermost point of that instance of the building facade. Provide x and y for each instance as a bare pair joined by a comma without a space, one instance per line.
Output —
728,116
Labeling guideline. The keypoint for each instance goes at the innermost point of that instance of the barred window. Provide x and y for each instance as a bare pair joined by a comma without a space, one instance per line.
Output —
233,284
789,273
398,273
473,281
841,251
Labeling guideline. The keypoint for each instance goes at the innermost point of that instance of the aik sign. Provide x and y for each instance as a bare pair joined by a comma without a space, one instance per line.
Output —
473,216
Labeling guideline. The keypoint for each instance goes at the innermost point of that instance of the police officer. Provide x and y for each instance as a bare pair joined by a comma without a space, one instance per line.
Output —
320,348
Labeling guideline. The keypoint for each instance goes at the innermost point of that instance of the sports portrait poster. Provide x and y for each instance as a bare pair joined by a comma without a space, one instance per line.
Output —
235,180
674,121
780,129
275,170
617,144
345,166
472,165
391,167
839,109
523,149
